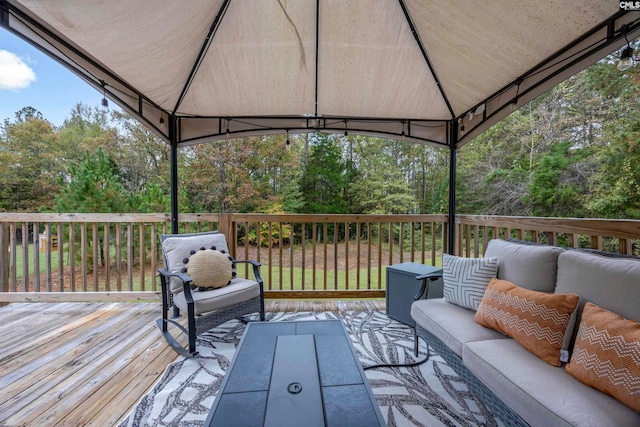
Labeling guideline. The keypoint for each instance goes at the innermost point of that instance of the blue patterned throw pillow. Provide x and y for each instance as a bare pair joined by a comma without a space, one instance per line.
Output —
466,279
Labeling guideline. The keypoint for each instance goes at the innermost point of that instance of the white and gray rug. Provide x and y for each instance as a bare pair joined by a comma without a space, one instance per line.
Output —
430,394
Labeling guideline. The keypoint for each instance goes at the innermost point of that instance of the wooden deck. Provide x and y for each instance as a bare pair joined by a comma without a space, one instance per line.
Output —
76,364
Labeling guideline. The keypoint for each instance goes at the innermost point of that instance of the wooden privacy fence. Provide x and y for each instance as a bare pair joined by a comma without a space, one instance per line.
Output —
79,257
64,257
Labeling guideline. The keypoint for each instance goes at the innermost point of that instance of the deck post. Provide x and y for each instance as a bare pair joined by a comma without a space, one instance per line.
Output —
4,259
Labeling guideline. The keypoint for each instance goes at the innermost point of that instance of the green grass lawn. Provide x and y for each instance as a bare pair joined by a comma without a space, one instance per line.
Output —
275,278
43,260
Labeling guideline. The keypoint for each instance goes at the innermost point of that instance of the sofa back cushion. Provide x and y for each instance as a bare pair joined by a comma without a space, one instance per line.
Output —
528,266
611,283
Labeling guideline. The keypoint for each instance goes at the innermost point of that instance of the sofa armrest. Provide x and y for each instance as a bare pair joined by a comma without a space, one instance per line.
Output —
427,280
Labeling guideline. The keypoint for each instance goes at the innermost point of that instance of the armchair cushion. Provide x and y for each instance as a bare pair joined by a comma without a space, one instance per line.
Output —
238,291
177,247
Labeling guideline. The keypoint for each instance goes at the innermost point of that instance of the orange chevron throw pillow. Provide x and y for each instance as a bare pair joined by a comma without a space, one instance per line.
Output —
606,355
538,321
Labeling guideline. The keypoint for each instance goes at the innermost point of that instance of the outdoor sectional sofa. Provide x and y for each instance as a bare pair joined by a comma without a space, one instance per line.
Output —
514,383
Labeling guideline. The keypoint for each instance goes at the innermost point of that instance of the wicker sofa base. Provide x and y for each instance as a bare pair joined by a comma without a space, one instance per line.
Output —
495,405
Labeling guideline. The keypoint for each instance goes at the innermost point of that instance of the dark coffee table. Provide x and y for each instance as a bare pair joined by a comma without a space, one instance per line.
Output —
303,373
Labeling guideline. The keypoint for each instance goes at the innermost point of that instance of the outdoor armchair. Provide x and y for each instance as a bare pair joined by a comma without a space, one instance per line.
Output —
199,279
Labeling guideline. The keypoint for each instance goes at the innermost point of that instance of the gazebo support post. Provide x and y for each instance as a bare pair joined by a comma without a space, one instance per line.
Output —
173,165
173,160
453,151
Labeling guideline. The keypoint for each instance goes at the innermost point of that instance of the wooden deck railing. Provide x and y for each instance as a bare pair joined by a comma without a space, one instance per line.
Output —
64,257
70,257
613,235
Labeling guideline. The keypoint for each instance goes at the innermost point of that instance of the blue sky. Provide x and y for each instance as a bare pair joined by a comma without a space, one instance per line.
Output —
29,77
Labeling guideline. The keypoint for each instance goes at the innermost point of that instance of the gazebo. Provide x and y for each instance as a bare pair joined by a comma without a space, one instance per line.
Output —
430,72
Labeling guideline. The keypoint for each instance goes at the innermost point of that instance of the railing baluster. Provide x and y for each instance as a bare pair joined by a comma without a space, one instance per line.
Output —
12,257
72,257
280,248
95,245
24,246
130,256
369,241
379,255
390,242
107,256
346,257
141,255
47,252
154,257
401,240
36,256
314,236
335,255
291,240
358,255
60,240
303,243
324,241
83,255
4,258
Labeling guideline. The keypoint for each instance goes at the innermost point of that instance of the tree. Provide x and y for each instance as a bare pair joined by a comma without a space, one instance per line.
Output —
324,180
381,187
242,175
94,187
31,159
557,184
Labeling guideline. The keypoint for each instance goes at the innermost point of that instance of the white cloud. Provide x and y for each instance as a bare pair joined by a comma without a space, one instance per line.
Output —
15,74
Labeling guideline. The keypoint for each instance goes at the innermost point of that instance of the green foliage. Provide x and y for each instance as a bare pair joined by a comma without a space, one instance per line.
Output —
324,181
94,186
572,152
31,159
552,191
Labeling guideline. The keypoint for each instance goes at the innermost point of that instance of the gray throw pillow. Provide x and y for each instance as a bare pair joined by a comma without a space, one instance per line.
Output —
466,279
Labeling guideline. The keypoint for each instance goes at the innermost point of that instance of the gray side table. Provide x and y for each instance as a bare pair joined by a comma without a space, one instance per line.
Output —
402,286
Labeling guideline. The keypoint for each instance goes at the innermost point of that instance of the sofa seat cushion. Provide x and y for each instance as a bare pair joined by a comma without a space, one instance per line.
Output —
540,393
528,266
239,290
450,323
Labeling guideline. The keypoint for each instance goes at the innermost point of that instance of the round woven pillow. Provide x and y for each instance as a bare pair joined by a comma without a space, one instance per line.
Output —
209,268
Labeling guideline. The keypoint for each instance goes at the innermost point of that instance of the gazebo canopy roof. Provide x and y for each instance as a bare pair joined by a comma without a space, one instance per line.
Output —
391,68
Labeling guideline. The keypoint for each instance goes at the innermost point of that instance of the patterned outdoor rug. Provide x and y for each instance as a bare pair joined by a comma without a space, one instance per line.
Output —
430,394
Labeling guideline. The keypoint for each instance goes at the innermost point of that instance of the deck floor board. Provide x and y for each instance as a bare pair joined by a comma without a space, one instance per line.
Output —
73,364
